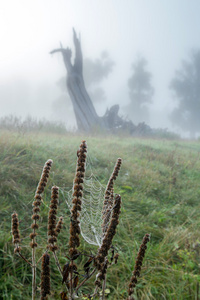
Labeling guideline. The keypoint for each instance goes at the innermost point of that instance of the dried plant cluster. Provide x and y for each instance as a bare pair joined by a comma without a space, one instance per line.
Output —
72,277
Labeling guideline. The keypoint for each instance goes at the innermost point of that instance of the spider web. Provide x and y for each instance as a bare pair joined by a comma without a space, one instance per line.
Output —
91,208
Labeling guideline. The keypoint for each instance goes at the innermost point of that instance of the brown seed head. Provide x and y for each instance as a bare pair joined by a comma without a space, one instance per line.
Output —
53,248
35,217
32,235
17,249
34,226
59,225
33,244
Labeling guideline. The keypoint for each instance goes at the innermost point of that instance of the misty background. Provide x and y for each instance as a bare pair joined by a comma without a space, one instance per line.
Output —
114,33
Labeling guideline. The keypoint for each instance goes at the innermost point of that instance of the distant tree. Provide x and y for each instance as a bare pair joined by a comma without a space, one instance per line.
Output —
98,69
94,72
140,91
186,88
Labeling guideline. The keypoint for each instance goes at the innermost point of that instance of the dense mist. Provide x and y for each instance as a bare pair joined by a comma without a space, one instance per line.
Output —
138,54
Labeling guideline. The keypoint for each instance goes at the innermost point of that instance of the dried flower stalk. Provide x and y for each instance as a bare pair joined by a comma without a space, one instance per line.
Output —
107,240
36,217
45,276
77,195
52,219
138,265
108,198
16,237
53,228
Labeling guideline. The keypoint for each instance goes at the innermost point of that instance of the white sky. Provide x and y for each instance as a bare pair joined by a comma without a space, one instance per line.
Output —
163,31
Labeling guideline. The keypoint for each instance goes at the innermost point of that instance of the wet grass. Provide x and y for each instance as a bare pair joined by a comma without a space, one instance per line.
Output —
160,188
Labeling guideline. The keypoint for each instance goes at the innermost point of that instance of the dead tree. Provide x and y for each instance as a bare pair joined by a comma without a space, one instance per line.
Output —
85,113
86,116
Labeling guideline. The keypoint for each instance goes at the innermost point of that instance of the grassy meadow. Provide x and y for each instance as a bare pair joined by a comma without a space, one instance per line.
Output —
160,187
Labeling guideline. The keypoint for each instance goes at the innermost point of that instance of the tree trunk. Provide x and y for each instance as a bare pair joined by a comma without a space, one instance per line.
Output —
85,113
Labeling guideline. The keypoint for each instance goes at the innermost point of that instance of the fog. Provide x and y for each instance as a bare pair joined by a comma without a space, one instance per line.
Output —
163,32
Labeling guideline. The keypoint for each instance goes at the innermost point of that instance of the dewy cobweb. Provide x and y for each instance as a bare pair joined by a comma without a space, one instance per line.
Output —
91,208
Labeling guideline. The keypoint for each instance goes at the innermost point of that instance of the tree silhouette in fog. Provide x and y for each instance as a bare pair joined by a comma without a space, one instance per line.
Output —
186,88
87,118
140,91
94,72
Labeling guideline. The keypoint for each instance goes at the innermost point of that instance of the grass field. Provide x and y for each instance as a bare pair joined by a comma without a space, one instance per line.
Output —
160,187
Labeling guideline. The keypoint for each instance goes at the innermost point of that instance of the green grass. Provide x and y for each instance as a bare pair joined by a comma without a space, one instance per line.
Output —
160,187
